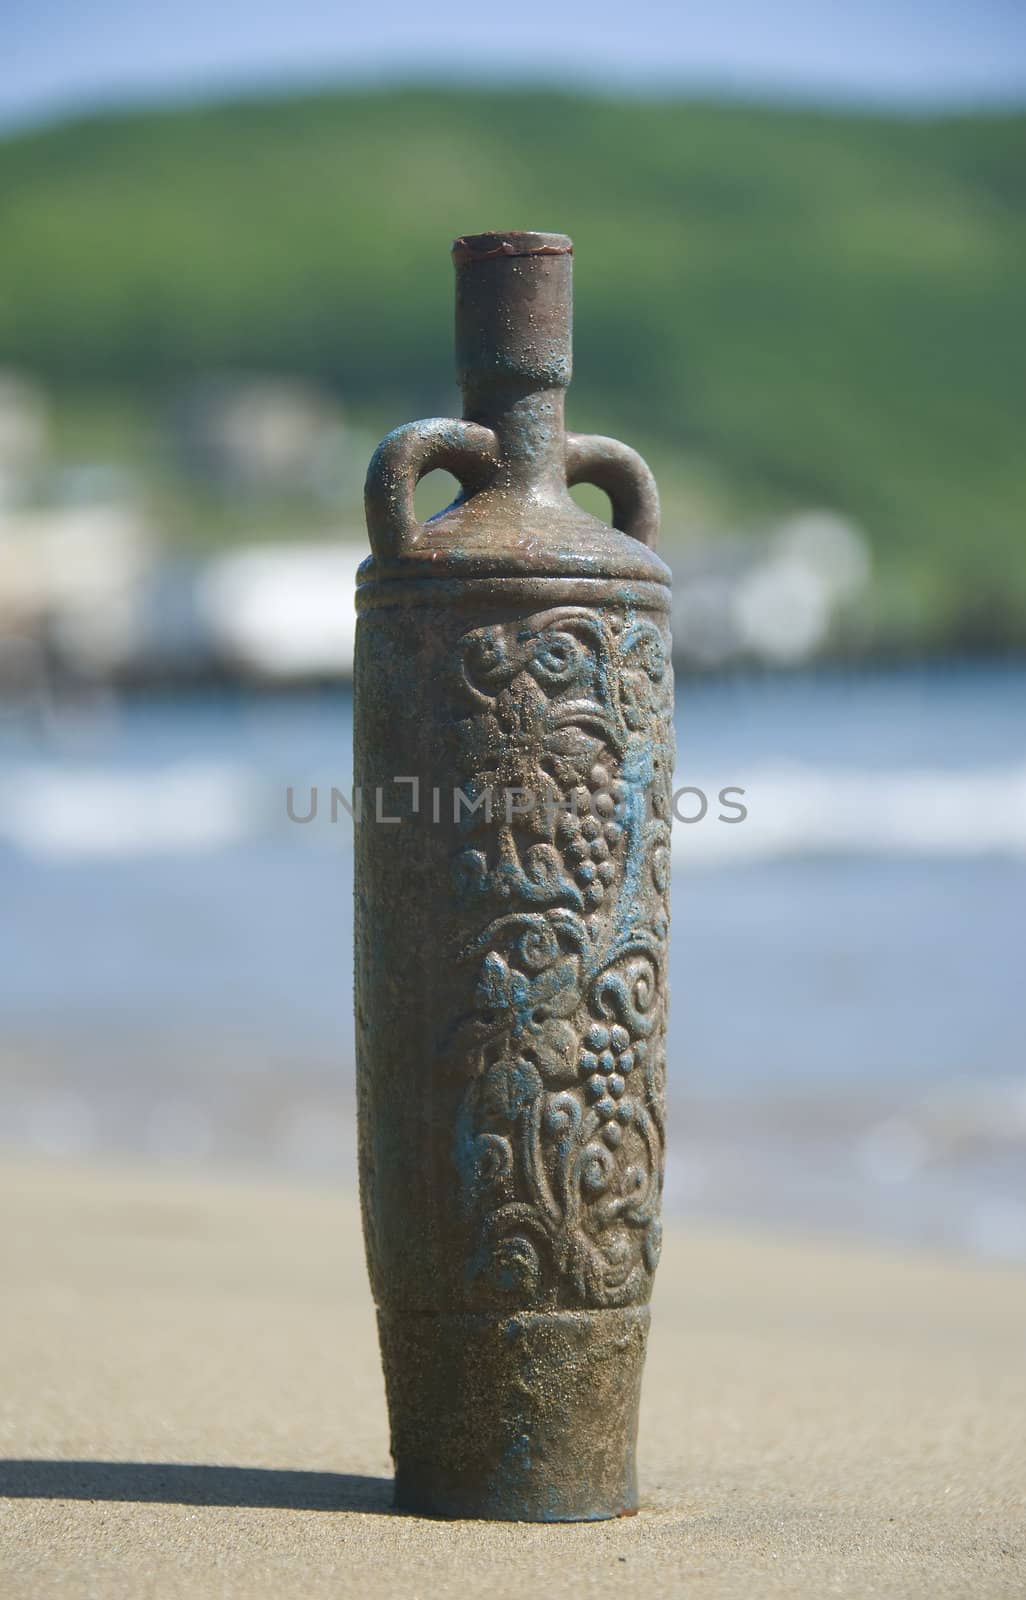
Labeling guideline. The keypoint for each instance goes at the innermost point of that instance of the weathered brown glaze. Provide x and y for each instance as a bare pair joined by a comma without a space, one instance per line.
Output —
511,968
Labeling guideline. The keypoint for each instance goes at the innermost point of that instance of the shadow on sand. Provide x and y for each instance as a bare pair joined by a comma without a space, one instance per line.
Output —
165,1483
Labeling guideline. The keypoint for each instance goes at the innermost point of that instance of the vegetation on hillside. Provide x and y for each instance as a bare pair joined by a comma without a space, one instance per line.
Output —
781,308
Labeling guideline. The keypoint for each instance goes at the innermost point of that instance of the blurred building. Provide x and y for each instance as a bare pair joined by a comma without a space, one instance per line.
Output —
251,434
777,599
283,612
24,434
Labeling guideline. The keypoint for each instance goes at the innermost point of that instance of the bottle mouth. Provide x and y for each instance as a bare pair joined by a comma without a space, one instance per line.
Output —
509,242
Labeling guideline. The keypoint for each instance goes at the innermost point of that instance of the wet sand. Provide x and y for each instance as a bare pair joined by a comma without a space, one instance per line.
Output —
191,1405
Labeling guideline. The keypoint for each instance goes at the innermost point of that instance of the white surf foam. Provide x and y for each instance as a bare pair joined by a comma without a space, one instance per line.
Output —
812,811
55,812
67,811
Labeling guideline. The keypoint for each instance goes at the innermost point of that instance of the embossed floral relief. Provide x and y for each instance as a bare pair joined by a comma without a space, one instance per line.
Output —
560,1138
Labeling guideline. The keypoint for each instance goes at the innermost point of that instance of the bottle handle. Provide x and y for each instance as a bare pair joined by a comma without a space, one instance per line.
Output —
467,450
622,475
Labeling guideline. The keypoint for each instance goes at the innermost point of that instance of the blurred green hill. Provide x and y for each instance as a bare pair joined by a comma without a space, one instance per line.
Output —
781,308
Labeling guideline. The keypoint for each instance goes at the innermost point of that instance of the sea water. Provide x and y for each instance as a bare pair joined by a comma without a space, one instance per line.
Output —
847,1038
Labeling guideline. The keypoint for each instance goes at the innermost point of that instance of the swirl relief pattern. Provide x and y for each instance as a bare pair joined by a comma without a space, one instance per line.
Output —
560,1135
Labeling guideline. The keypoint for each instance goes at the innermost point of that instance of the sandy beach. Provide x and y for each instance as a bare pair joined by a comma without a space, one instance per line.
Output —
191,1405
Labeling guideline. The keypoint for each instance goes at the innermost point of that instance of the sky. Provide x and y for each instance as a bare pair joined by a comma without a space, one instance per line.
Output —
61,56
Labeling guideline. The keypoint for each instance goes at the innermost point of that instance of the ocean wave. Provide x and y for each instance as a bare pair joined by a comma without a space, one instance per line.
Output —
74,812
66,812
805,811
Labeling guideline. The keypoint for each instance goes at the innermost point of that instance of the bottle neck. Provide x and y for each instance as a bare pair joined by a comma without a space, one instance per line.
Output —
513,350
528,423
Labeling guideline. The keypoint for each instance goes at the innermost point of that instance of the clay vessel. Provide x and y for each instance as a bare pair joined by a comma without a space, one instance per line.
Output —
513,762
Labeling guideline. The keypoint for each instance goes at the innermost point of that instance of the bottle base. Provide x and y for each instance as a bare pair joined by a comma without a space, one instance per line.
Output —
530,1417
